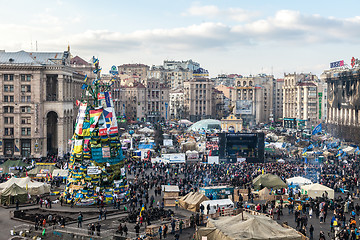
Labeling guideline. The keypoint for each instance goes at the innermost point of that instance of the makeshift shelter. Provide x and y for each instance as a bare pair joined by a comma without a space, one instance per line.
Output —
264,193
214,204
254,227
171,194
40,171
317,190
269,181
9,164
298,181
146,130
13,193
192,201
33,187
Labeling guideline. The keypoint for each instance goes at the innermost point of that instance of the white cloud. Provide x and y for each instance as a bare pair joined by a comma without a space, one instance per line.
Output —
212,11
285,31
284,27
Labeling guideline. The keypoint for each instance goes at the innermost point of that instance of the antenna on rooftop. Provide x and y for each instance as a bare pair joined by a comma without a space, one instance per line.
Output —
36,47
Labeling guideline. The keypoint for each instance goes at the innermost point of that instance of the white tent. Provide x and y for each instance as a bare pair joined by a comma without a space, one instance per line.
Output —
146,130
214,204
33,187
317,190
300,181
246,226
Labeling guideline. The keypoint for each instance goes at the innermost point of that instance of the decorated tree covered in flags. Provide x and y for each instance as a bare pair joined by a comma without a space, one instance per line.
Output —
96,166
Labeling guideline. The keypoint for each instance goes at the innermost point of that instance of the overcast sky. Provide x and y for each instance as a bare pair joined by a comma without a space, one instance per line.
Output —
228,36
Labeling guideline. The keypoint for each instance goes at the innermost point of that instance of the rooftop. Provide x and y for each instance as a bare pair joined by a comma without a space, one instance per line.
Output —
33,58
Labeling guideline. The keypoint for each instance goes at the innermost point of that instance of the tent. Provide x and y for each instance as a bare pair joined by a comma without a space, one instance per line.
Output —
192,201
214,204
13,193
146,130
300,181
317,190
12,163
33,187
269,181
255,227
41,170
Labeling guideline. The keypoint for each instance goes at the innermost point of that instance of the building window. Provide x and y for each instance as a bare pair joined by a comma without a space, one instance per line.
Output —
25,77
25,88
8,109
26,120
8,98
8,88
25,109
25,147
25,131
9,131
8,120
8,77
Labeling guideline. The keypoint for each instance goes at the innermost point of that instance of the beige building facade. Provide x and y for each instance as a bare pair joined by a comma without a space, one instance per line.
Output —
176,97
231,123
138,71
254,99
300,101
198,98
38,109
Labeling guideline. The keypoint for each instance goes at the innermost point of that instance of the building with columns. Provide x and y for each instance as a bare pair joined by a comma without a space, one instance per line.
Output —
343,102
300,102
37,108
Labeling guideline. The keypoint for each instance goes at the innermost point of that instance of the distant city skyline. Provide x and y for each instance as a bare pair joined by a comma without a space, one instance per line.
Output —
225,37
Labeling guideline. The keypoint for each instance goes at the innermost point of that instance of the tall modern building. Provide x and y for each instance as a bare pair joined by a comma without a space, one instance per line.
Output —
37,107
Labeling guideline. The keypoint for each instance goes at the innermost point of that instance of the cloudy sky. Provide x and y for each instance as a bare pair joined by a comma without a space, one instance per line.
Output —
228,36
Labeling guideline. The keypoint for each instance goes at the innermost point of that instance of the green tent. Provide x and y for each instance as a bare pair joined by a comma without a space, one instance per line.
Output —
41,169
269,181
12,163
13,193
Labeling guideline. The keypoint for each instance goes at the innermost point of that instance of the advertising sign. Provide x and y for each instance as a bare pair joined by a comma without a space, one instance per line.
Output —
243,107
337,64
114,70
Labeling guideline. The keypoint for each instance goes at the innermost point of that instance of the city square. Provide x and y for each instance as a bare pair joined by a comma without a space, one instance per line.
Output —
191,120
